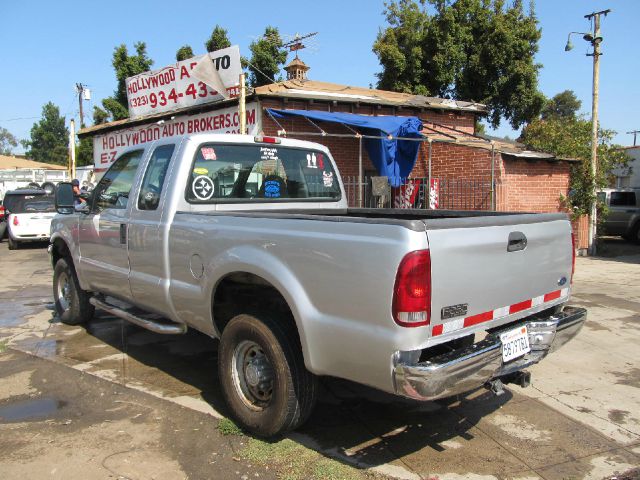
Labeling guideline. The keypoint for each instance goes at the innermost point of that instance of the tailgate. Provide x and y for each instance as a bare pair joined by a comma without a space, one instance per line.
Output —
478,280
33,224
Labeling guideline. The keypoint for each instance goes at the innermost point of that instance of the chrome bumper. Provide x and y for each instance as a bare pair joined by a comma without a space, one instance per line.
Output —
471,367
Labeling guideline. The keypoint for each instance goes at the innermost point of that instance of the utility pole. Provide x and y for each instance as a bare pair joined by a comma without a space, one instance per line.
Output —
80,92
634,132
72,149
596,40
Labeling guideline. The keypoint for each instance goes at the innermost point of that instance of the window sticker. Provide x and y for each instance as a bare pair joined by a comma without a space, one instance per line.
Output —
327,179
200,171
320,161
272,189
208,153
268,153
202,187
312,161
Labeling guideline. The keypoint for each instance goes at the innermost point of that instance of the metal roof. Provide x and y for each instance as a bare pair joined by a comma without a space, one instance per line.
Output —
309,90
314,90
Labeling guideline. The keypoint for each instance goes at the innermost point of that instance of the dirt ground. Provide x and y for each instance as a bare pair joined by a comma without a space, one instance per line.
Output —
110,400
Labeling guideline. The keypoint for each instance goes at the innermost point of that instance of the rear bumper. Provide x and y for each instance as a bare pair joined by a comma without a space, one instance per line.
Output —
471,367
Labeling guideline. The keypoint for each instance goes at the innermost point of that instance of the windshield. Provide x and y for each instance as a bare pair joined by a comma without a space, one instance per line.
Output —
260,173
29,204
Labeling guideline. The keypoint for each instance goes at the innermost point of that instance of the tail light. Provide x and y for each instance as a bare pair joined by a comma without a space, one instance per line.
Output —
2,212
15,220
412,290
261,139
573,254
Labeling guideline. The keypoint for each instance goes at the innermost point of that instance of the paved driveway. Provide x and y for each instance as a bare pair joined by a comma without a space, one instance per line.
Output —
580,419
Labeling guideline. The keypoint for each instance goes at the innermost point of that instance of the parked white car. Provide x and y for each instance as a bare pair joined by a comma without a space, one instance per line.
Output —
29,215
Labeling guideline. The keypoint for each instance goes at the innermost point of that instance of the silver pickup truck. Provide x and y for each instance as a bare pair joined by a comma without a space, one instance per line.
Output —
250,241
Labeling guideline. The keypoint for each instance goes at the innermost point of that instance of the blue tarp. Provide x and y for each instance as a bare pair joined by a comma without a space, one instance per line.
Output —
392,158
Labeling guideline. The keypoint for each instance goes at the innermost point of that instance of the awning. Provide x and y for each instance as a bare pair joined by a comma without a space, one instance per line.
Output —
393,158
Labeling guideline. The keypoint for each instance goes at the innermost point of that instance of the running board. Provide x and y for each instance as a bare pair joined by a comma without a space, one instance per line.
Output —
154,326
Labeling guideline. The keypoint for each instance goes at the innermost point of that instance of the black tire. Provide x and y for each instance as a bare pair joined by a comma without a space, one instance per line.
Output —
13,244
274,362
634,234
71,302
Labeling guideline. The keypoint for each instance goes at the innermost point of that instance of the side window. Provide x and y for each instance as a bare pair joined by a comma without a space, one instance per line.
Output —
623,199
153,181
113,189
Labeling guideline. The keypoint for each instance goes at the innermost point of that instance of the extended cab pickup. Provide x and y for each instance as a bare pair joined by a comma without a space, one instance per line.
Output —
250,240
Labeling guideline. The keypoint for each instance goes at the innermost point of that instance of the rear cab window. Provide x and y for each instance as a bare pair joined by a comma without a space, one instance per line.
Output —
260,173
29,203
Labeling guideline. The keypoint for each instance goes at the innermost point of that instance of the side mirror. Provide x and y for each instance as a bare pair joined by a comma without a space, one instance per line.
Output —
64,198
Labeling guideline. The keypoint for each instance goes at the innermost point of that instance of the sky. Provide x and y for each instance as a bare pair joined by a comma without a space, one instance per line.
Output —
47,47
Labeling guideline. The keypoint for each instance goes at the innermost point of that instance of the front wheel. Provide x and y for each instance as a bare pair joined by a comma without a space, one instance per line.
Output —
263,377
71,302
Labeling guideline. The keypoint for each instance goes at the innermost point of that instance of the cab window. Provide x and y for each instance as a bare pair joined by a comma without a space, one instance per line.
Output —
260,173
113,189
153,181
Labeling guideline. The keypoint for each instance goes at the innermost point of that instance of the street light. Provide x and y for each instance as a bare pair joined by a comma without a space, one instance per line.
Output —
594,38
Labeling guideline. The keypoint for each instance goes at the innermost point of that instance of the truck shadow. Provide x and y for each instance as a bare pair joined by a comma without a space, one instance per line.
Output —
353,424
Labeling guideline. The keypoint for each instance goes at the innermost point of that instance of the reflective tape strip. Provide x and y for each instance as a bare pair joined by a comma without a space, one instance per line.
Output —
460,323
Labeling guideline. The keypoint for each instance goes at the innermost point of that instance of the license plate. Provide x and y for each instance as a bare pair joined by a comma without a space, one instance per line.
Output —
515,343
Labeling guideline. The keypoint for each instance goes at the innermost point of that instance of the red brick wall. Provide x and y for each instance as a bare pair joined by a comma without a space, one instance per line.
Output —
453,162
532,186
345,150
521,185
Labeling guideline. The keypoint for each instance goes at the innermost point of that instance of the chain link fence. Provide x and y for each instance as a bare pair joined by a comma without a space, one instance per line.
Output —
445,194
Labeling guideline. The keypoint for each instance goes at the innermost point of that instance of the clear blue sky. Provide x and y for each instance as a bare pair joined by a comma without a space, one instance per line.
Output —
49,46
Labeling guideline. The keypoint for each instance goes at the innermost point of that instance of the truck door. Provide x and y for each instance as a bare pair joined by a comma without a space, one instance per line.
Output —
148,233
104,230
622,206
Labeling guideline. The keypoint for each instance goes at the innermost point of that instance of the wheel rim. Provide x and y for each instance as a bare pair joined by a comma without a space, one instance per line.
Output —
63,289
253,375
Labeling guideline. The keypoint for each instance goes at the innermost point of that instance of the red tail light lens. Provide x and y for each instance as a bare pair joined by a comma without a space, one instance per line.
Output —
573,254
2,211
260,139
412,291
15,221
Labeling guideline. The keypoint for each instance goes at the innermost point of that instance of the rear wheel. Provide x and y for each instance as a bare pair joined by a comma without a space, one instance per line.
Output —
263,377
13,244
71,302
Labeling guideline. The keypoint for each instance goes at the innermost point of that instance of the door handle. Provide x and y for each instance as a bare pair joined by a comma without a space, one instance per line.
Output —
517,242
123,233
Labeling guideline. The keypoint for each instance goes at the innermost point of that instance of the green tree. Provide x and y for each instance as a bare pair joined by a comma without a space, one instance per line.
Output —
49,137
479,50
84,152
7,142
218,40
125,66
100,116
267,58
570,137
564,105
183,53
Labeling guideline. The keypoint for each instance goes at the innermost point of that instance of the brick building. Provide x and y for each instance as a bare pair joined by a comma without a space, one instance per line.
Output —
472,172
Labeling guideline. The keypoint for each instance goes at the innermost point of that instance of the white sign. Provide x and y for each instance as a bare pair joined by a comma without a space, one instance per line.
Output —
107,147
176,86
